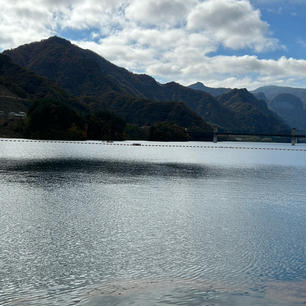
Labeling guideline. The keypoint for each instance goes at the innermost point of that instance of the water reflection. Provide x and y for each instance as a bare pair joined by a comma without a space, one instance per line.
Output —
45,169
190,292
87,166
185,292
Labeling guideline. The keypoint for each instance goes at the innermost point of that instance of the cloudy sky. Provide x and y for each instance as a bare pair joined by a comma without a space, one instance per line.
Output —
230,43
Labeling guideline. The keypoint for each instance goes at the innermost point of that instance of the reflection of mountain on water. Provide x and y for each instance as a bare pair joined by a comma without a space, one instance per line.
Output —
106,171
117,172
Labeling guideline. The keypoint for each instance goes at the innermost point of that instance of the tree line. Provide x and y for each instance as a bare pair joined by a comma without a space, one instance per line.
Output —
50,119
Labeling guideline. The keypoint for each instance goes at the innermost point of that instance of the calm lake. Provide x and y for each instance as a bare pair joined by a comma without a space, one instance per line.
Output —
92,224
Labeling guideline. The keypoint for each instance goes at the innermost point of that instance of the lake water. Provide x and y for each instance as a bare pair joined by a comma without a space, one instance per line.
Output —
89,224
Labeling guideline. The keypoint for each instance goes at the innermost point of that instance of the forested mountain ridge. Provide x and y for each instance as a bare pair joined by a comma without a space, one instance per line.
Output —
19,82
85,73
81,72
25,91
243,102
146,112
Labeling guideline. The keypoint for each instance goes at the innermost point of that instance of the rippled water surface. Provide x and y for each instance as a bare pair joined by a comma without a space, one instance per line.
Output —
90,224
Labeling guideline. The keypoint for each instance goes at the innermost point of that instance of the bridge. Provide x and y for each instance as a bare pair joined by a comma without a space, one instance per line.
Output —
294,136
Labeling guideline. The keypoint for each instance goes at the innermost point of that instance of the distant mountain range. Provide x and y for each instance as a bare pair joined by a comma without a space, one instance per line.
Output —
291,109
272,91
92,83
287,102
246,106
215,92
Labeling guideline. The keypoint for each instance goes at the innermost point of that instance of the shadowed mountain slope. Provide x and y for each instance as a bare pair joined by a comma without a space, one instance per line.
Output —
290,108
272,91
18,82
145,112
84,73
18,87
252,111
81,72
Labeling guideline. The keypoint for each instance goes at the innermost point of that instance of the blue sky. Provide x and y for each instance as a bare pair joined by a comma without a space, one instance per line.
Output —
287,23
230,43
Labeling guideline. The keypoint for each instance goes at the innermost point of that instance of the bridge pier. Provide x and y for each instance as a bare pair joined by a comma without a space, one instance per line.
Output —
293,137
215,139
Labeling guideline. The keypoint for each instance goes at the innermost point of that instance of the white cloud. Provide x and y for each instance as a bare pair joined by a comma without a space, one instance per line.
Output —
22,22
158,12
244,71
91,13
169,39
269,2
187,65
235,24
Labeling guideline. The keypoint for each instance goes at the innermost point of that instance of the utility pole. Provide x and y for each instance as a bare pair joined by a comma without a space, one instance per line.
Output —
215,139
293,137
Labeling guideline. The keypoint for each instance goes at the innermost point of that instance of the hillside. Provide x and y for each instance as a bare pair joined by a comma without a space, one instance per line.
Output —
145,112
84,73
252,111
81,72
20,87
19,82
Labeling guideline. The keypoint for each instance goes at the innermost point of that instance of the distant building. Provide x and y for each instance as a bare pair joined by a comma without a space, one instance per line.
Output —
21,115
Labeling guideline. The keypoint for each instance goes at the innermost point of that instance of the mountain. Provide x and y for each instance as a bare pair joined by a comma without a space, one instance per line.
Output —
291,109
260,96
272,91
16,81
288,102
84,73
212,91
20,87
145,112
251,111
81,72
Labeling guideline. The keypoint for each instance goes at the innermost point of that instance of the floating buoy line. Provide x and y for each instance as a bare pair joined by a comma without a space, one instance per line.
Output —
110,143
